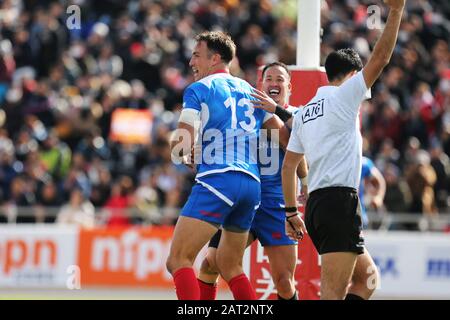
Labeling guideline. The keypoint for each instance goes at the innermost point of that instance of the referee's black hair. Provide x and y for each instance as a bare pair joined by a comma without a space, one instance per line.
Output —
276,64
339,63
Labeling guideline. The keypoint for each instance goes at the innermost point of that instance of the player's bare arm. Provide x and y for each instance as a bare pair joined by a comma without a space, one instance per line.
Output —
295,227
182,143
275,123
384,47
379,183
302,174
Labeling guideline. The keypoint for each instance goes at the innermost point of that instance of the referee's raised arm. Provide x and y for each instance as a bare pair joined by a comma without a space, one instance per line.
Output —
384,47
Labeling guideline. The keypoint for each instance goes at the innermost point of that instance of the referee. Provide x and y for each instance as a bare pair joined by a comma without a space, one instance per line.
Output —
326,131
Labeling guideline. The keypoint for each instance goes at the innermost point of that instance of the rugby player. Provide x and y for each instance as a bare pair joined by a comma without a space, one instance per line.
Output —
269,223
217,110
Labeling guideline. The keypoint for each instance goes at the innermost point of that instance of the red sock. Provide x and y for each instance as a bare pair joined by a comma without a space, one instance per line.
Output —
208,291
186,284
241,288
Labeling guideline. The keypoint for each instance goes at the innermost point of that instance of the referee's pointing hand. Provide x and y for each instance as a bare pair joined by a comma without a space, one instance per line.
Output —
295,227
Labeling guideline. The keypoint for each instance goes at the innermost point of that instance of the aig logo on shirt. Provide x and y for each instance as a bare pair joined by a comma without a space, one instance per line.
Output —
313,111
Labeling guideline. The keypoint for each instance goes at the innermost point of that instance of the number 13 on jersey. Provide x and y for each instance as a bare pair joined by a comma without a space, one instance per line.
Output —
243,102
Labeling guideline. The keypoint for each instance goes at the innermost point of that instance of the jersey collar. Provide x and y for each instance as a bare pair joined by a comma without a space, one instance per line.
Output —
221,71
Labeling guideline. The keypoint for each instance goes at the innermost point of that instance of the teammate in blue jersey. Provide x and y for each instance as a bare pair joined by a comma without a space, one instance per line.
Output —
269,223
370,174
218,116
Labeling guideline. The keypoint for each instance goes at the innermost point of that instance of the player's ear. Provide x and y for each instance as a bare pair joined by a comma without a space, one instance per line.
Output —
217,58
353,73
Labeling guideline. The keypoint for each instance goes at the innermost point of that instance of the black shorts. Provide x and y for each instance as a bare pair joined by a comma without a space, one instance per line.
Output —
214,242
333,220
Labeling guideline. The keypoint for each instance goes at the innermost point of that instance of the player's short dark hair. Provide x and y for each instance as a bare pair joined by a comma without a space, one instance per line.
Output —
339,63
276,64
219,42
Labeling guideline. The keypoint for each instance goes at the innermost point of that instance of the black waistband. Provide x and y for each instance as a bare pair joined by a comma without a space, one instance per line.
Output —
328,189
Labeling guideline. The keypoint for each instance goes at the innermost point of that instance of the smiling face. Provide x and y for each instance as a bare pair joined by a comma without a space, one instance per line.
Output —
277,84
203,60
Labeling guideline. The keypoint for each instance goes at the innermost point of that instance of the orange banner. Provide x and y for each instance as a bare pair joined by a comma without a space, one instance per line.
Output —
136,257
129,257
131,126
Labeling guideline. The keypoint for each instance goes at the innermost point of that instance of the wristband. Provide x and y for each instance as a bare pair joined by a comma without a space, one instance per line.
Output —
290,209
282,113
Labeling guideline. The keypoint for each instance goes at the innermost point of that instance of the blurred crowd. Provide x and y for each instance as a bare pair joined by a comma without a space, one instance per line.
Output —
59,87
